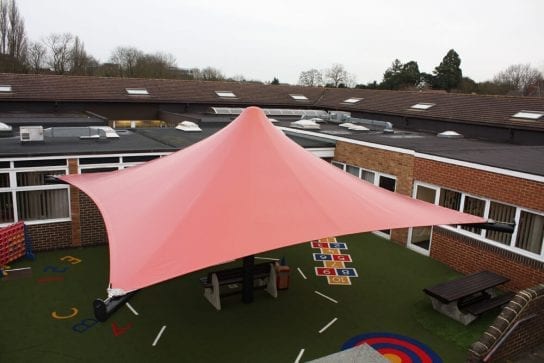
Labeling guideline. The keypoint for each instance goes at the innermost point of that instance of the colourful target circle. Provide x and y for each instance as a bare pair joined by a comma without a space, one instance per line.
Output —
397,348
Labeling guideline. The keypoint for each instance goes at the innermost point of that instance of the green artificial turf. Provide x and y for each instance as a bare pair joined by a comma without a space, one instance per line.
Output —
385,297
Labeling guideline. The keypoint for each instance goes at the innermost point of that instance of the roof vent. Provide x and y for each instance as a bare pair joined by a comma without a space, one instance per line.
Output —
450,135
89,132
31,133
305,124
188,126
352,126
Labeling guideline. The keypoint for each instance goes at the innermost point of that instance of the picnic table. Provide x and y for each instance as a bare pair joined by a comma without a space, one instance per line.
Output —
465,298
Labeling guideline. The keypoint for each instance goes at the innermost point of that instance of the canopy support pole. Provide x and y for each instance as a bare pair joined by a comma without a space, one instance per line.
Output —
247,283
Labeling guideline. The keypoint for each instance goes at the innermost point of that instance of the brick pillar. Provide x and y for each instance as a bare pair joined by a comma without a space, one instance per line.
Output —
74,206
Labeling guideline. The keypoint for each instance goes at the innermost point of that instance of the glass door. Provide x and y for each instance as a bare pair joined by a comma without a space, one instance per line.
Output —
419,238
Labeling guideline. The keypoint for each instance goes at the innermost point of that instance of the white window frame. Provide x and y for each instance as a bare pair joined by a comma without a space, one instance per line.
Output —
481,237
410,230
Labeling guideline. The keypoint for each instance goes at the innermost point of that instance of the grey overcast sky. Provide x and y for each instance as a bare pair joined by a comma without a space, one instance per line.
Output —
281,38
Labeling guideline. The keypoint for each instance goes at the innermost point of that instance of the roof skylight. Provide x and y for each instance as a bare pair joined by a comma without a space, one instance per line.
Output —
6,88
305,124
529,115
422,106
225,94
188,126
352,100
137,91
299,97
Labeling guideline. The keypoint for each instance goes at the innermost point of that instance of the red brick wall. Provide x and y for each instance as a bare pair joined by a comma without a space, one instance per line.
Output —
93,231
511,190
468,255
50,236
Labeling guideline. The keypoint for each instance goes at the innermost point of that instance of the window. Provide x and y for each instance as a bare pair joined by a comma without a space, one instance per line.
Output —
529,115
137,91
501,213
42,204
299,97
5,88
338,165
421,236
368,176
475,207
450,199
530,232
352,100
25,179
353,170
4,180
6,208
422,106
225,94
387,183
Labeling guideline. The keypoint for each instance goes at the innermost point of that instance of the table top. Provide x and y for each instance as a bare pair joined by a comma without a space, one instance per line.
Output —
465,286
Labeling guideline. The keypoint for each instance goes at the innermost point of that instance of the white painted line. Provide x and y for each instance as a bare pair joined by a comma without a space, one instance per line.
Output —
302,273
18,269
132,309
159,335
299,355
328,325
267,258
326,297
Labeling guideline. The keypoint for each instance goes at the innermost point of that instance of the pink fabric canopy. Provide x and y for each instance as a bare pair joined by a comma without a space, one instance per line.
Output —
244,190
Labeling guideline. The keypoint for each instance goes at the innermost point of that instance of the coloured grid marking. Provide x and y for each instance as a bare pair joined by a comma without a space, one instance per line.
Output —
395,347
332,255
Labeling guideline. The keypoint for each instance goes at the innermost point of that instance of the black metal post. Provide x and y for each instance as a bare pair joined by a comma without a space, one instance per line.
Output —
247,283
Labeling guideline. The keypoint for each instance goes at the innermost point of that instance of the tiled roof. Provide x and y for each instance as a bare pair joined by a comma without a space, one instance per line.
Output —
497,110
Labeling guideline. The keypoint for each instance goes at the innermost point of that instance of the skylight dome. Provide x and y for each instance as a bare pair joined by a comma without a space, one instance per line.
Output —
352,100
305,124
450,134
188,126
529,115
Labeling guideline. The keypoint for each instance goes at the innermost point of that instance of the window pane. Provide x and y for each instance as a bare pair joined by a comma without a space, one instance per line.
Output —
97,170
35,177
421,236
450,199
475,207
387,183
353,170
6,208
43,204
4,180
368,176
530,232
501,213
426,194
338,165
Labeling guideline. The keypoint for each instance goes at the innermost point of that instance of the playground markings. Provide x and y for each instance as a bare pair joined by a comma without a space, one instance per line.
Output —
334,261
131,309
302,273
159,335
328,325
299,355
326,297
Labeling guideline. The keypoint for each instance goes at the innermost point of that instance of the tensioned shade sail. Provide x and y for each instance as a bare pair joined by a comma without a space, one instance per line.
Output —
246,189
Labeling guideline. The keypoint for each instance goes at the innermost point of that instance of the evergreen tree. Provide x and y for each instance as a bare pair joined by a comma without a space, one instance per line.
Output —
448,74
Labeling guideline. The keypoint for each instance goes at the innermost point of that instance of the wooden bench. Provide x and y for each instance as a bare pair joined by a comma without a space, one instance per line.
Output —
480,307
226,282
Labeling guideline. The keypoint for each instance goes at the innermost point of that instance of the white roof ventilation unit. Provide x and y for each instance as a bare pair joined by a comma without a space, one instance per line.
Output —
188,126
354,127
305,124
31,133
110,133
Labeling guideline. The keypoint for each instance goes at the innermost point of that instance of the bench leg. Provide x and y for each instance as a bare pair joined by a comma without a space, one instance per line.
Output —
212,294
271,286
452,310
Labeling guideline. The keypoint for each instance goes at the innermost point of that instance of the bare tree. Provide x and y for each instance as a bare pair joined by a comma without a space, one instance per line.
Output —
60,48
337,76
4,26
158,65
518,77
79,60
126,58
16,33
36,56
211,74
311,78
